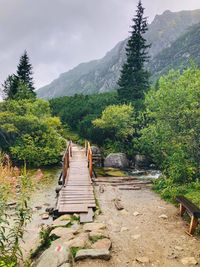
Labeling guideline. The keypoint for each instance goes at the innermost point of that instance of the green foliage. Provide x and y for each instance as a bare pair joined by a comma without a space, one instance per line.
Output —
79,111
20,86
118,120
29,132
172,135
134,78
24,71
168,190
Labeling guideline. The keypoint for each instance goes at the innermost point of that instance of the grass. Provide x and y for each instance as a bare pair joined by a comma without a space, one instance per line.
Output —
109,172
74,251
168,191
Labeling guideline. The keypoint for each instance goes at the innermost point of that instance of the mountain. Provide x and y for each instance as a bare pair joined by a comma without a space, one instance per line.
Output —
179,54
101,75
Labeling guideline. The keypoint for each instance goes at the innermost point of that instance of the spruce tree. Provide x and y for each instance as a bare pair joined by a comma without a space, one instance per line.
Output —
24,71
134,79
10,87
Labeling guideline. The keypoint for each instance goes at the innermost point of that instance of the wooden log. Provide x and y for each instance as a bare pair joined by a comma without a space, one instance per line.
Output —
130,188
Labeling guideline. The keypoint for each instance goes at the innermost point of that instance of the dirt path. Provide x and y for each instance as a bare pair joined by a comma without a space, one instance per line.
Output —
163,241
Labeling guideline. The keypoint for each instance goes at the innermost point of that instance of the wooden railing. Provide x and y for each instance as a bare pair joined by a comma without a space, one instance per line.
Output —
66,160
89,157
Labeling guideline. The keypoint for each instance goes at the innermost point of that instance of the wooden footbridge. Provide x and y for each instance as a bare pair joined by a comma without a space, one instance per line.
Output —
76,194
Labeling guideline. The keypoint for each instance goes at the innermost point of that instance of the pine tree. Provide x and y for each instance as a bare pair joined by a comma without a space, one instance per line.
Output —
134,79
24,71
10,87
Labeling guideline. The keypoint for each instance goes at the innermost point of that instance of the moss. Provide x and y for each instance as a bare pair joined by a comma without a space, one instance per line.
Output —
109,172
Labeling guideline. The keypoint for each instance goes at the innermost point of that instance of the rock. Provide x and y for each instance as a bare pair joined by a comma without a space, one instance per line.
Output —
61,221
136,236
104,243
124,212
102,254
98,234
123,229
38,207
45,216
39,174
80,241
136,213
141,161
163,216
88,227
65,265
63,232
142,260
56,255
95,150
189,261
116,160
178,248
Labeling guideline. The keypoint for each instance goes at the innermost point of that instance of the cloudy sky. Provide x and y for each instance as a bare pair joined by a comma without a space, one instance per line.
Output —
59,34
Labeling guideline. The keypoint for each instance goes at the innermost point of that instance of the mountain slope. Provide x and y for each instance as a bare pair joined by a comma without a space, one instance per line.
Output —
179,54
102,75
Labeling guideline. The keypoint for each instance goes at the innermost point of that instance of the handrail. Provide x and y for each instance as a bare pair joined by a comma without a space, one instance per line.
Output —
66,160
89,157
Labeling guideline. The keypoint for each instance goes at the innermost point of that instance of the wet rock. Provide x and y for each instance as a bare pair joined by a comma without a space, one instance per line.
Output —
104,243
142,260
88,227
163,216
141,161
103,254
63,232
189,261
80,241
116,160
56,255
45,216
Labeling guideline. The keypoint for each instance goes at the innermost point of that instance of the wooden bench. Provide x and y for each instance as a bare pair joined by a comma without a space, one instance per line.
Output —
193,211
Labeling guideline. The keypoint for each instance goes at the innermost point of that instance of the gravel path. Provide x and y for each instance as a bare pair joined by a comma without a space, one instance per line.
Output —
137,232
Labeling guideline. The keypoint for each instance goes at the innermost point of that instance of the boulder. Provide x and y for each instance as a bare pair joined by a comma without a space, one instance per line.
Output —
116,160
103,254
57,255
141,161
95,150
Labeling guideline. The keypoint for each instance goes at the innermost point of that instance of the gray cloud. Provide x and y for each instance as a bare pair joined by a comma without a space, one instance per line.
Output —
59,34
